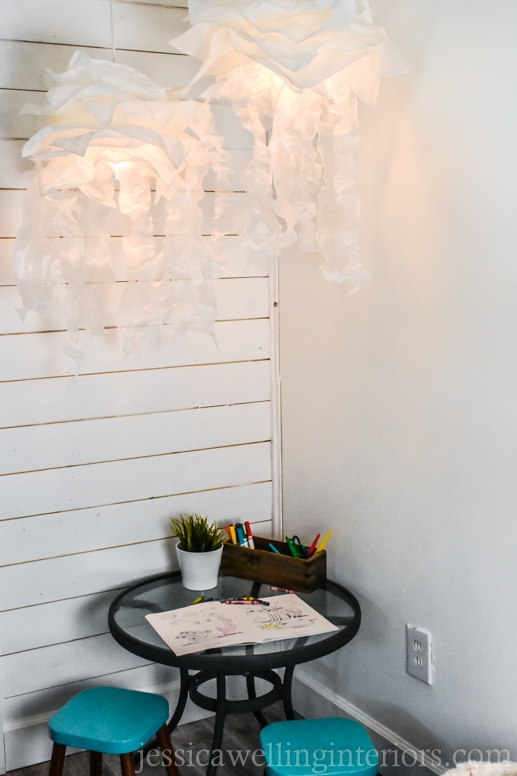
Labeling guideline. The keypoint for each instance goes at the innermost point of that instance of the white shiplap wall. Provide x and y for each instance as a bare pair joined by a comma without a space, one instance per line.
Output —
92,467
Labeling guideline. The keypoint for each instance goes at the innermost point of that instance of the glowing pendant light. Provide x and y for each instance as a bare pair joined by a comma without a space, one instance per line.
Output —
294,71
113,145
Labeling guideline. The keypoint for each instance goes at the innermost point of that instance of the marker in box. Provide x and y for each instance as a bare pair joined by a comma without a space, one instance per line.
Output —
323,542
241,537
249,535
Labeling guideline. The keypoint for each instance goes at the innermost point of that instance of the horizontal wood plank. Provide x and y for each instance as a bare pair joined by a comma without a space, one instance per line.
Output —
236,300
14,169
78,487
32,448
70,576
147,28
167,69
81,23
31,356
64,663
21,710
129,393
37,538
76,618
22,64
13,124
168,3
73,576
45,624
87,22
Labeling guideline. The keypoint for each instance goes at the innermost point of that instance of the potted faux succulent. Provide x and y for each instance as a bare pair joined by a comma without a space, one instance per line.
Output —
199,550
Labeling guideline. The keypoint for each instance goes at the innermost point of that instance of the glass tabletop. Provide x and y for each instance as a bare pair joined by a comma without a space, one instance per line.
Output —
165,592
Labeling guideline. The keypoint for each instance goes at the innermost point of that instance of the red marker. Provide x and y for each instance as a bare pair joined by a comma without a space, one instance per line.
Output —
313,545
249,535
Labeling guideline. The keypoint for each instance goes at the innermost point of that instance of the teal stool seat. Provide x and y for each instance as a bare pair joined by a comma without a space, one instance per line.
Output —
303,747
110,720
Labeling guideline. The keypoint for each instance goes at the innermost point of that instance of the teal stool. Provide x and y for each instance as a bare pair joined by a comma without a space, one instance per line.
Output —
303,747
111,721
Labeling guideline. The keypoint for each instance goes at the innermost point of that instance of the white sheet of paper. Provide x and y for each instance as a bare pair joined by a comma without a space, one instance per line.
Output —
214,624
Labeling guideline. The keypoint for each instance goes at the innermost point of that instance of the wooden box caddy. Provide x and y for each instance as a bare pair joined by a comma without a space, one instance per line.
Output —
264,565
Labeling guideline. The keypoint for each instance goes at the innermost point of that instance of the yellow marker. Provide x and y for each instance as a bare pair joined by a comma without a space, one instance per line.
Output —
323,542
234,535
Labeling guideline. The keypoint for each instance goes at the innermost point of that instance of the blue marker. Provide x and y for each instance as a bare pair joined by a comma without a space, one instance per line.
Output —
241,537
274,549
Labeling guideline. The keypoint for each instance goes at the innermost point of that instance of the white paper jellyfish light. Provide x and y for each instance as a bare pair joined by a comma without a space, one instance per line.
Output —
294,71
113,144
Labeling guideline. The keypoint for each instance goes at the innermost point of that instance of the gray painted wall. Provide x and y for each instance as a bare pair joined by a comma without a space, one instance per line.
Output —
400,403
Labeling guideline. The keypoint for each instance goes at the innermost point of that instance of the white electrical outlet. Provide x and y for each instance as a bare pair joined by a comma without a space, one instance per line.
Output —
418,647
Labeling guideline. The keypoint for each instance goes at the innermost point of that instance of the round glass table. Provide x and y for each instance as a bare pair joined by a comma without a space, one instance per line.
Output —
165,592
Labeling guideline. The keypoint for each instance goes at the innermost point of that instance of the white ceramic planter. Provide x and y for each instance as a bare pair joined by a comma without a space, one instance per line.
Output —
199,570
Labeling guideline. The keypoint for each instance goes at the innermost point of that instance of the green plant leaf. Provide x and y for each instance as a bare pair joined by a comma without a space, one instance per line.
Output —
195,534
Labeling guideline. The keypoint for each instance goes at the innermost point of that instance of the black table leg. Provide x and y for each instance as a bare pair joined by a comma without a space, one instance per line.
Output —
252,693
182,700
286,693
220,713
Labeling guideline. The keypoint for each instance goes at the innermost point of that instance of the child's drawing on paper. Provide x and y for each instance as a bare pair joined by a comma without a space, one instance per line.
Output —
209,625
219,626
281,617
194,637
203,627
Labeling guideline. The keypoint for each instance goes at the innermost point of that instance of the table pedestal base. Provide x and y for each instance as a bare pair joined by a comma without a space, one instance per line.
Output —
221,705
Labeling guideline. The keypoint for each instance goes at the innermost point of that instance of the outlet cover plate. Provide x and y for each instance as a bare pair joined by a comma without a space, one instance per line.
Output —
418,650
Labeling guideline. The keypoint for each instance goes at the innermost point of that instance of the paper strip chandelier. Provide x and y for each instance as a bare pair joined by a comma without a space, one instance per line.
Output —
294,71
114,144
121,155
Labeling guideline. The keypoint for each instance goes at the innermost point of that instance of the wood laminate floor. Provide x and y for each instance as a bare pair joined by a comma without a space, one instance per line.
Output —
192,743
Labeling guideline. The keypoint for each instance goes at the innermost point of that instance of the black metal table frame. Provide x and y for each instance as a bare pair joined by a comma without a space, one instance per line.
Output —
214,665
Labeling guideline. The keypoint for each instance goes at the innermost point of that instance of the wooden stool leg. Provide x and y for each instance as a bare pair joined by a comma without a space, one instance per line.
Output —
168,757
57,761
127,763
95,763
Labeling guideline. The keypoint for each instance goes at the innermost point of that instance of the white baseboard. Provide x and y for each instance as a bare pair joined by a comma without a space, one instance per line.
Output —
323,702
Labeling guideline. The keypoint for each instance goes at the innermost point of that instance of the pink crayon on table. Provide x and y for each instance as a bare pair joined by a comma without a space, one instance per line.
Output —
280,589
